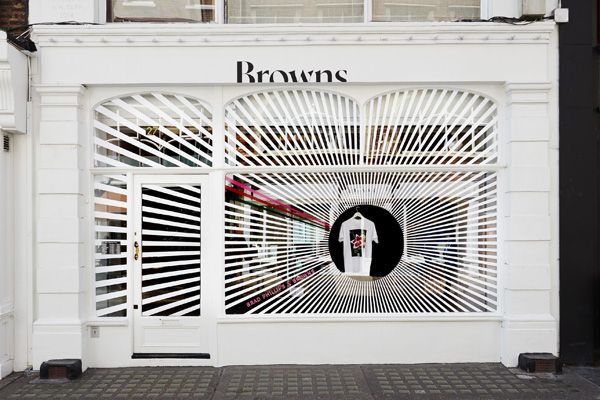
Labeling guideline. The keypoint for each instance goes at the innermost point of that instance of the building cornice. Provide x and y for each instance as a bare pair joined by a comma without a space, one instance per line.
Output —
185,35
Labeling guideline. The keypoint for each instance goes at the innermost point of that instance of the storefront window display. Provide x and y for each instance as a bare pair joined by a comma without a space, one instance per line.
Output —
446,263
366,242
429,238
400,181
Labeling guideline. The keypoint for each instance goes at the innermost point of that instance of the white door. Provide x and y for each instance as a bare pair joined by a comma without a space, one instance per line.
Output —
169,308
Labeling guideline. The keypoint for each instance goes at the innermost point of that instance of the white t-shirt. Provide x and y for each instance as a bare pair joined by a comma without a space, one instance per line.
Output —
358,235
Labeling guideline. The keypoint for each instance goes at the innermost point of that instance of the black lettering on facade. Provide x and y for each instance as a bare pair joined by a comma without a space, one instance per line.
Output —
319,75
261,74
247,74
240,73
306,77
280,72
342,75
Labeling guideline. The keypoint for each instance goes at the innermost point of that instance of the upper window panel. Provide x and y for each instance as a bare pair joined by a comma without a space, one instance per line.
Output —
162,10
294,11
153,130
425,10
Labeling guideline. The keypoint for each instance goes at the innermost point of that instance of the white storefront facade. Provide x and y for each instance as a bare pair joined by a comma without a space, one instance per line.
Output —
186,186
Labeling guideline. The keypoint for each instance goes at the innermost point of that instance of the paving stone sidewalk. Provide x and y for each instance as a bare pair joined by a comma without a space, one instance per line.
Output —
425,382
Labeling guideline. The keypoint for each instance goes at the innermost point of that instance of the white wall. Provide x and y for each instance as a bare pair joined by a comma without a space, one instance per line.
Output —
13,117
6,263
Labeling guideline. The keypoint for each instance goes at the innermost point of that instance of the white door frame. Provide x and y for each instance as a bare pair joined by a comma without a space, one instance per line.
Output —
162,336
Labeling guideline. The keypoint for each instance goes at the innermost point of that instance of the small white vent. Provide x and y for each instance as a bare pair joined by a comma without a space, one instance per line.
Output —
6,143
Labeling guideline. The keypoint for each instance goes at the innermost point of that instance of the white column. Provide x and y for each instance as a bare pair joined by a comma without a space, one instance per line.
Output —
526,265
60,274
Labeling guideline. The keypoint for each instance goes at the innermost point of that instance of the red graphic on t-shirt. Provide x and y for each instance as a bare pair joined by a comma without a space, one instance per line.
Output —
357,241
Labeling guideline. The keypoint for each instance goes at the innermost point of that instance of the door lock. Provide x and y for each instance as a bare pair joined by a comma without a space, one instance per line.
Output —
136,249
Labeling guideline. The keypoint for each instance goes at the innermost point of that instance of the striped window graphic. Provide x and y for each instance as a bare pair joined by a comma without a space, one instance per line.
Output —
292,128
278,254
153,130
418,166
171,250
110,244
278,242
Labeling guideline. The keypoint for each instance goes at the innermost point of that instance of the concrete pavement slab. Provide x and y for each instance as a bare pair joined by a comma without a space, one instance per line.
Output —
312,382
293,381
472,381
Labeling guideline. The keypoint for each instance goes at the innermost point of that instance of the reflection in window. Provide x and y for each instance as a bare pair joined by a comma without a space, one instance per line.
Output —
425,10
278,230
292,127
162,10
293,11
153,130
110,255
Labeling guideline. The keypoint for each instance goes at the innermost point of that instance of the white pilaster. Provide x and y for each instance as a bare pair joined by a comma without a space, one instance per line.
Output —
528,324
61,226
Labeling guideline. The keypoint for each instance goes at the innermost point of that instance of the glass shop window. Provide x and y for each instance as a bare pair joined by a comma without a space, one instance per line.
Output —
161,10
425,10
294,11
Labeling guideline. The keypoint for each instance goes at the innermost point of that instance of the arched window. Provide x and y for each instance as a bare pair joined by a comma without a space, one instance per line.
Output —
431,127
292,128
285,238
153,130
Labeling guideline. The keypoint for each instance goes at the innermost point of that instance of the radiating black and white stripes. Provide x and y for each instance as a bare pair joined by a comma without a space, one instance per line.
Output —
171,250
430,157
277,258
110,244
407,127
153,130
448,217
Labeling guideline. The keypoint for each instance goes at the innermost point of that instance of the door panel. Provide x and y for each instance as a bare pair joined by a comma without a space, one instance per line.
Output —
168,261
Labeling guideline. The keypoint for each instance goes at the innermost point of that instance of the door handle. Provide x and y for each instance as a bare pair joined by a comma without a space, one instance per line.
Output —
136,249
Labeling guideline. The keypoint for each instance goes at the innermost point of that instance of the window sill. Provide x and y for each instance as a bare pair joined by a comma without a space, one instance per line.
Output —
376,318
